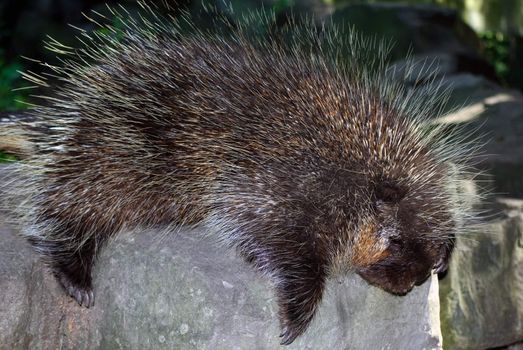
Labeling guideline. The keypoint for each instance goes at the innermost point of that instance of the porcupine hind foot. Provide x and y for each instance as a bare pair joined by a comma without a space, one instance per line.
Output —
72,267
73,271
83,294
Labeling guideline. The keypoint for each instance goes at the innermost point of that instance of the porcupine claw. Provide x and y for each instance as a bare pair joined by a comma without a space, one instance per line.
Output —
442,265
287,336
290,332
83,296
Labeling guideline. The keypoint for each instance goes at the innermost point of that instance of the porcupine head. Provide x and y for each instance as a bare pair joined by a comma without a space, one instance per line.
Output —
298,149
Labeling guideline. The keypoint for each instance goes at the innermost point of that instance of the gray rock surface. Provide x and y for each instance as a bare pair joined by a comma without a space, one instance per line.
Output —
482,296
186,292
495,115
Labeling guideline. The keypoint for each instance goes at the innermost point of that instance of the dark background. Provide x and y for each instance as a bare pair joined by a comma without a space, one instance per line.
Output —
484,35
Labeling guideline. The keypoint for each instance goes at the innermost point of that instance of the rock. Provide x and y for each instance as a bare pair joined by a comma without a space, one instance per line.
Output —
186,292
495,115
503,124
518,346
482,296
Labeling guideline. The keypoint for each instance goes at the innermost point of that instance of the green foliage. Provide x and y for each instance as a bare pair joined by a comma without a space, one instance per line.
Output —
118,29
4,157
496,50
449,3
282,5
11,78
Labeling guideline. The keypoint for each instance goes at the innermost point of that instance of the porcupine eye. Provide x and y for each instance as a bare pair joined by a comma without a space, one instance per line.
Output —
390,193
388,197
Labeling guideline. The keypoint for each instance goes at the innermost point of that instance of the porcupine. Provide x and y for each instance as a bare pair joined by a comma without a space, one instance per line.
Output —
308,159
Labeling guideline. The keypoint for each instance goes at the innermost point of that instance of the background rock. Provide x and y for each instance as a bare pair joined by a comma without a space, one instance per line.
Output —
493,119
482,296
185,292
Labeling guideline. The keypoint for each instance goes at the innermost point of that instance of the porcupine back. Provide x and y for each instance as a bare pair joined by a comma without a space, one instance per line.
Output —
277,145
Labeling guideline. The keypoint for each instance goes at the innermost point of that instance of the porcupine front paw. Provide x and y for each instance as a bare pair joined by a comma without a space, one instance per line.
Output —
83,295
296,313
442,265
298,300
291,328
